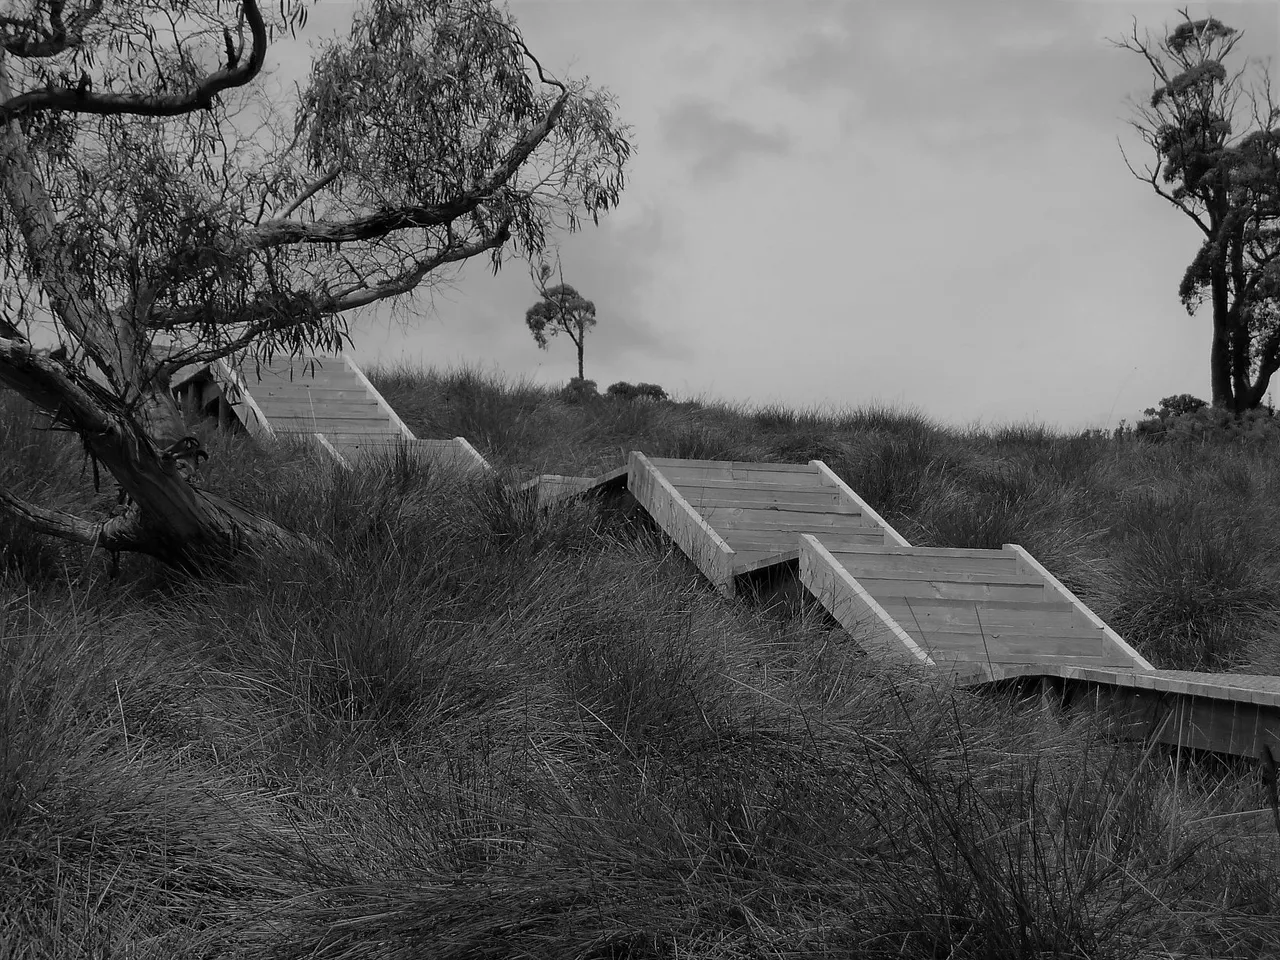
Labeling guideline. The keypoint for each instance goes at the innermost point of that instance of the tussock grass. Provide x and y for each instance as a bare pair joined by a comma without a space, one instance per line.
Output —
486,730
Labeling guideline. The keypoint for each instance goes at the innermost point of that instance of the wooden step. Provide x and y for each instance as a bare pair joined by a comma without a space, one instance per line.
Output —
784,540
875,563
693,471
1003,588
731,505
329,409
306,399
966,615
771,494
738,518
1059,655
794,482
330,425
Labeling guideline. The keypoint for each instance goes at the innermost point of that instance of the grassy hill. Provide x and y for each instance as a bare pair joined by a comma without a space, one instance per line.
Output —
491,732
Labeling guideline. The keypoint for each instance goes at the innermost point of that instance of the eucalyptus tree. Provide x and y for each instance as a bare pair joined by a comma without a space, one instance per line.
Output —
151,191
1215,156
561,310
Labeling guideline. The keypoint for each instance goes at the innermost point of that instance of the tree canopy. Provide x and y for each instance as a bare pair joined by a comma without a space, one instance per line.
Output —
1216,158
561,310
151,193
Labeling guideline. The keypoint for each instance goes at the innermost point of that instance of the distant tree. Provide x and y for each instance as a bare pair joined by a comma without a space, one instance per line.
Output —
1176,406
561,308
142,204
1228,185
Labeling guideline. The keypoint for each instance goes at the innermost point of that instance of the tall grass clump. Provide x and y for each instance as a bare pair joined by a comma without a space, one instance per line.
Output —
471,727
1193,586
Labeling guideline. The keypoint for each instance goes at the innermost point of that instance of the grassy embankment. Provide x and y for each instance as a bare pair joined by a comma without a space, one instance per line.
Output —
490,733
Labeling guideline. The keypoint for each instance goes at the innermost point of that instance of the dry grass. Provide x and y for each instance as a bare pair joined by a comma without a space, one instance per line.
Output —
493,732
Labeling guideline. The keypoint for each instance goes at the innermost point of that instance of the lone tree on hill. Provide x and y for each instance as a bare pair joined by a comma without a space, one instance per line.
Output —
1228,185
561,308
146,197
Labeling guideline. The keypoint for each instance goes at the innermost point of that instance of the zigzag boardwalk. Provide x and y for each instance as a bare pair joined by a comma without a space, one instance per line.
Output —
325,400
985,616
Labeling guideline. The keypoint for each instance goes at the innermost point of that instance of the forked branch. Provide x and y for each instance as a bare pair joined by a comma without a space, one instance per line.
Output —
79,99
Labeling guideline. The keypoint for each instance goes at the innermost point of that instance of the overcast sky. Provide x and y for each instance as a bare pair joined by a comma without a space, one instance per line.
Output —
919,202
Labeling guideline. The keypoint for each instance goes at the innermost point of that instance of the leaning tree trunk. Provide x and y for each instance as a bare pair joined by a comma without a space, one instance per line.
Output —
167,517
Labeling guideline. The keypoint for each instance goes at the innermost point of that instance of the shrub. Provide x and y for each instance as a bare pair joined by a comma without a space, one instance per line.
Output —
1209,425
1176,406
579,390
636,391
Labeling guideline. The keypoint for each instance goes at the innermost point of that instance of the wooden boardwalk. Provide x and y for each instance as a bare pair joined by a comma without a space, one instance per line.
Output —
326,400
986,617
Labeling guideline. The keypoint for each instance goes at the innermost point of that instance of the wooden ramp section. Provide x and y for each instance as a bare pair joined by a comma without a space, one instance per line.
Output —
734,518
328,400
975,611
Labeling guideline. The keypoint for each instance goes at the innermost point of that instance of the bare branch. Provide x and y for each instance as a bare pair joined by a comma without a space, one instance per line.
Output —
311,191
410,279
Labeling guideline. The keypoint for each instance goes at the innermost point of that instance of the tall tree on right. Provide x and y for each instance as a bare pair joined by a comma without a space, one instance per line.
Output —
1217,160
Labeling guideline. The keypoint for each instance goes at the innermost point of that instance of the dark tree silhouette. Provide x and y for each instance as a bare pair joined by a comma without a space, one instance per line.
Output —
1228,184
561,309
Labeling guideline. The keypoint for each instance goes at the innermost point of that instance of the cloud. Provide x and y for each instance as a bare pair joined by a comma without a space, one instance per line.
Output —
967,77
717,144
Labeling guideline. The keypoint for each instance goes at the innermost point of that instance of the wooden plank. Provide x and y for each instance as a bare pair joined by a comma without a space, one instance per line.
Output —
959,567
468,452
728,503
731,518
747,561
1016,640
979,622
892,550
998,656
613,480
829,477
306,407
993,561
886,589
552,488
678,475
352,426
762,539
1032,565
855,609
776,493
799,483
1223,726
662,463
244,404
869,571
681,522
1026,648
998,608
292,393
325,381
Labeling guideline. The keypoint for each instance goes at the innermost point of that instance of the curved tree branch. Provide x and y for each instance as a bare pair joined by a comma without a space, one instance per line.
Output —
281,232
76,100
118,533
